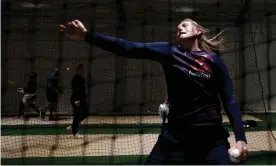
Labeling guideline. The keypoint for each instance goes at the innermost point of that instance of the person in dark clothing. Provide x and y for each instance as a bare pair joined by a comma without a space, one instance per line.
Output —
29,95
78,100
52,90
197,80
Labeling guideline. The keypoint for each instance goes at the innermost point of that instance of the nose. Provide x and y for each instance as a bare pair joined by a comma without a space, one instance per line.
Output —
181,31
179,27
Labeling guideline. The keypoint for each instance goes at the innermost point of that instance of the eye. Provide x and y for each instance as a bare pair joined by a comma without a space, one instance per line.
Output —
185,25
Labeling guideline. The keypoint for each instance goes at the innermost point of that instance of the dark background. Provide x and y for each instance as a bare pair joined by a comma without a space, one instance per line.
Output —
31,41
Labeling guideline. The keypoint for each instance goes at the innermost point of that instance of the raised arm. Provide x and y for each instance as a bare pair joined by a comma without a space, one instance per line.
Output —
229,101
153,51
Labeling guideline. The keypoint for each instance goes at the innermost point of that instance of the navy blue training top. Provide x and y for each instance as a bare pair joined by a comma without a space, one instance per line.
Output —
52,84
31,86
195,80
78,87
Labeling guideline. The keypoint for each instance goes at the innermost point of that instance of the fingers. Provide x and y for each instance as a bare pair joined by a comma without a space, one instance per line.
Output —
62,26
74,24
68,25
244,153
77,22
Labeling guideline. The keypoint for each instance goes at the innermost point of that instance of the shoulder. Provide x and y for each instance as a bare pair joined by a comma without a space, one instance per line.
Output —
161,46
212,57
75,76
217,60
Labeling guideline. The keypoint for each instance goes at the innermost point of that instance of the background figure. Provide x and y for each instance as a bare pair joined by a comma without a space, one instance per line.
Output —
29,96
164,108
52,91
78,100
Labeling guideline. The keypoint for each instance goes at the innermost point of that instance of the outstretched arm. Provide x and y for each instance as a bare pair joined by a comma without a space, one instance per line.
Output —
154,51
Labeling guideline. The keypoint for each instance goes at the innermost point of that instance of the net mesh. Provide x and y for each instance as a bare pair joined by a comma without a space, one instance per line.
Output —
124,94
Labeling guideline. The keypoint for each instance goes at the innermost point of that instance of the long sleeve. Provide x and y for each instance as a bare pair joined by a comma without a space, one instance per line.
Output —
153,51
78,88
229,101
50,83
31,86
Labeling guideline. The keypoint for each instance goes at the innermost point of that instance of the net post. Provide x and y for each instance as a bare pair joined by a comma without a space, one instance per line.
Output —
269,96
32,36
31,49
241,64
269,66
5,46
120,68
144,88
89,82
60,59
240,22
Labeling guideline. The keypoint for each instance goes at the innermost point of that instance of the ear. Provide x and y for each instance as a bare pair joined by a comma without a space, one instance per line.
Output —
199,32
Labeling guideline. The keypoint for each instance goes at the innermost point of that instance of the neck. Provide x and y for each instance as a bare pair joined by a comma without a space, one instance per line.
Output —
190,45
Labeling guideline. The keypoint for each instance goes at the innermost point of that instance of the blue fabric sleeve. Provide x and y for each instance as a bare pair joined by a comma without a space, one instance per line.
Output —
229,101
49,83
152,51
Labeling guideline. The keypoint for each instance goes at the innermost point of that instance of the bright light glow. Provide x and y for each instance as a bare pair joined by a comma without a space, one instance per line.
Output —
185,9
32,6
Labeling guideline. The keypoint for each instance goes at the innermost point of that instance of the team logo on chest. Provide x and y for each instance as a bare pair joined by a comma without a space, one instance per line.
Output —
201,69
199,74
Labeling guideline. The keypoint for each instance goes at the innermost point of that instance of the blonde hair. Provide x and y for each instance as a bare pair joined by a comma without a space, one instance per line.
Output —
207,44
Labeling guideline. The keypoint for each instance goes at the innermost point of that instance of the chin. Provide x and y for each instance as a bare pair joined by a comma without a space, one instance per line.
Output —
184,36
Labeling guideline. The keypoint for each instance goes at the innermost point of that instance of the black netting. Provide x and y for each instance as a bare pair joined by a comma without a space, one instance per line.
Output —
124,94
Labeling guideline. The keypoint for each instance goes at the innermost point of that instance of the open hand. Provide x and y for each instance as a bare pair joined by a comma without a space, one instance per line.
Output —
74,29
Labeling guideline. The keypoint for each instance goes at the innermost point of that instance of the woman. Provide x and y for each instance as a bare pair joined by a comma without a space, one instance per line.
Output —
196,78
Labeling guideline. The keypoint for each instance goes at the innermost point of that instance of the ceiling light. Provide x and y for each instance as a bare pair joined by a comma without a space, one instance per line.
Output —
184,9
29,5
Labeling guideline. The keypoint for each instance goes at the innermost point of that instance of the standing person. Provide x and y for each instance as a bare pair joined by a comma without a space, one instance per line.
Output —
164,108
29,95
78,100
52,92
197,78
